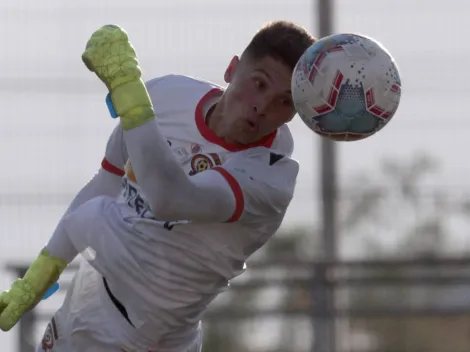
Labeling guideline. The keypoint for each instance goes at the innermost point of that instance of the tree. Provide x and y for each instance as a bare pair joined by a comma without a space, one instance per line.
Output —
417,218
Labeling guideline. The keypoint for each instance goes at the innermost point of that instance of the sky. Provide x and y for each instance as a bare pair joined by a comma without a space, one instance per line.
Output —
55,123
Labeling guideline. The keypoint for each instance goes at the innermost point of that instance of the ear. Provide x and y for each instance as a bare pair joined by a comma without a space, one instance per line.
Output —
229,72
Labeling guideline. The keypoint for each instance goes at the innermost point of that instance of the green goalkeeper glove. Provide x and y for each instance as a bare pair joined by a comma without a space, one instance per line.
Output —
110,55
25,293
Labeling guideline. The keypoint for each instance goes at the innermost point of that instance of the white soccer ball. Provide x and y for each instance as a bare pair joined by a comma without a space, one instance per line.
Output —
346,87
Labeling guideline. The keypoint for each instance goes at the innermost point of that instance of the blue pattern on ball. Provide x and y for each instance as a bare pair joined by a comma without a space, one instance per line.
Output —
350,113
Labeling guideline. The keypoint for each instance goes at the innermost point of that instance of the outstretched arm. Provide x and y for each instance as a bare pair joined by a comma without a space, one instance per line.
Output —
168,190
171,193
252,185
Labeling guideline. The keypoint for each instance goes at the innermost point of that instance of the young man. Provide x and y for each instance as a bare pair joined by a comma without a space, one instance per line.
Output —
195,179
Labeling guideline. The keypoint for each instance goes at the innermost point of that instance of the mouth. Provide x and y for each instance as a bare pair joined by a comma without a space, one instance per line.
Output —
250,126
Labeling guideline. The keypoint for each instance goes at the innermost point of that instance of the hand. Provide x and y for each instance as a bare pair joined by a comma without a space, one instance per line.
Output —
111,56
15,302
25,293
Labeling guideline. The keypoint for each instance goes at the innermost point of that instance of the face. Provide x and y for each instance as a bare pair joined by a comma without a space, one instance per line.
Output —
257,100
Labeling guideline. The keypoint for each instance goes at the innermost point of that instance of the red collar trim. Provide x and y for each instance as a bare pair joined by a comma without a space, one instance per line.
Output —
210,136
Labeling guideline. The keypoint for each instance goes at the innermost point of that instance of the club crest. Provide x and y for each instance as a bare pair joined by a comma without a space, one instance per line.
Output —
203,162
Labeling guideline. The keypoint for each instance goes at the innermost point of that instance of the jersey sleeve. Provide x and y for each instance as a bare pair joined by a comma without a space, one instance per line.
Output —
107,182
262,184
116,153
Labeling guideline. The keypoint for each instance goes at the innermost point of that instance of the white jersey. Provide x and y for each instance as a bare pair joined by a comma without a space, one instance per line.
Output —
173,270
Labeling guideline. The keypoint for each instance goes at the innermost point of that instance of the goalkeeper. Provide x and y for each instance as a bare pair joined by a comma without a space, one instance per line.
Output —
195,179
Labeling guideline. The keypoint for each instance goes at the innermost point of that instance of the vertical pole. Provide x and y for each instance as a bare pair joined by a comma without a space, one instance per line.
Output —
325,322
328,156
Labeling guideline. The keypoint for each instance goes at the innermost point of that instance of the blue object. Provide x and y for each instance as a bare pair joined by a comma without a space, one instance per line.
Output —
53,289
110,105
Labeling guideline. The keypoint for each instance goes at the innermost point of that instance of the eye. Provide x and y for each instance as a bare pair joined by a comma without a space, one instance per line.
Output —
260,84
286,102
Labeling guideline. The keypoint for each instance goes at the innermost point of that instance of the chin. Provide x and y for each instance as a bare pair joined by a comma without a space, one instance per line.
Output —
251,140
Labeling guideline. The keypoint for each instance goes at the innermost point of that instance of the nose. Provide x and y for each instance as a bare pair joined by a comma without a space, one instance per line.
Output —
260,107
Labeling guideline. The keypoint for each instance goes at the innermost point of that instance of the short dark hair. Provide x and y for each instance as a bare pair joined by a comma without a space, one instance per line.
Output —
282,40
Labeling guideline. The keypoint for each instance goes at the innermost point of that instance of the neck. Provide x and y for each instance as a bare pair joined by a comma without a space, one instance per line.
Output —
214,119
215,122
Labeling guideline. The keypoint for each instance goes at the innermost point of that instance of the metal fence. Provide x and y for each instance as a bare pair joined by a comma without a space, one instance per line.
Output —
356,306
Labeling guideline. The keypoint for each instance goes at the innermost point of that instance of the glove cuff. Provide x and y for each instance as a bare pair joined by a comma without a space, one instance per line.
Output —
44,272
132,103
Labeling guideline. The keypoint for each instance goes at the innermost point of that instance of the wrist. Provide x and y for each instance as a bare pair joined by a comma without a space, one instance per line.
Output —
44,271
137,117
132,103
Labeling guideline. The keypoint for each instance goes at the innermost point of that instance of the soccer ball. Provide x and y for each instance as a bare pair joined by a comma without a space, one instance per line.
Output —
346,87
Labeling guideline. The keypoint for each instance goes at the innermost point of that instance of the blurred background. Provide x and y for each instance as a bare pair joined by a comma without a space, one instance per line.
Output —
374,254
